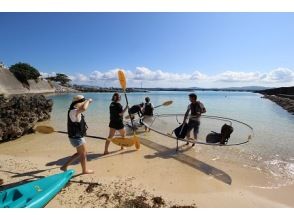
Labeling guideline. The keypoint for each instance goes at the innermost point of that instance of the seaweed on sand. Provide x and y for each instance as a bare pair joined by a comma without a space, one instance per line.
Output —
138,202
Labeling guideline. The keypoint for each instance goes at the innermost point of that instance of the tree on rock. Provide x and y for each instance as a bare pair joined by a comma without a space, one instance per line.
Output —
23,72
61,78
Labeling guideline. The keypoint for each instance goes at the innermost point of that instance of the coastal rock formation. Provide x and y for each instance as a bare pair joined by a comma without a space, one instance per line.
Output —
286,103
10,85
19,114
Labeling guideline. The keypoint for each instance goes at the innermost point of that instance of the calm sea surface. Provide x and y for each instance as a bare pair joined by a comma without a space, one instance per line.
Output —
272,147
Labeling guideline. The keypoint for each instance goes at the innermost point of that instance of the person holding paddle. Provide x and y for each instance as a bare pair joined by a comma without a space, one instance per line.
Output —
76,128
116,119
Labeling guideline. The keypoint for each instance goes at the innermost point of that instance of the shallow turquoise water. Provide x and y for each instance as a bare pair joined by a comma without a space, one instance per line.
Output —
272,146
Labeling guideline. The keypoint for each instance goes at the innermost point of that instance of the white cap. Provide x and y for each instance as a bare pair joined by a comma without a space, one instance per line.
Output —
77,98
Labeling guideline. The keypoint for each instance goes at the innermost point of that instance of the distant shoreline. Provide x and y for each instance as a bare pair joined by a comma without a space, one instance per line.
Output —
283,96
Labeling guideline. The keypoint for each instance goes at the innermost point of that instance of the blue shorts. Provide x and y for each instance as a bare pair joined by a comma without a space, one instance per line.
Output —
76,142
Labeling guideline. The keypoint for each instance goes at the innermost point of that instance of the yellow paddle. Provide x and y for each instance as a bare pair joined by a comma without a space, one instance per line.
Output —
123,84
125,142
166,103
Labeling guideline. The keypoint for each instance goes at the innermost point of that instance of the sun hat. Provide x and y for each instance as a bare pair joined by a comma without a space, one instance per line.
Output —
78,98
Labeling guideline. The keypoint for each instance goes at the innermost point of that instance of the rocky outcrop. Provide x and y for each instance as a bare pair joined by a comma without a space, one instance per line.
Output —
286,103
10,85
20,113
62,89
276,91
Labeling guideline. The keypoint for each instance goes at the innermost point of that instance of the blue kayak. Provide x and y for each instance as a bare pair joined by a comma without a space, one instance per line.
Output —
35,194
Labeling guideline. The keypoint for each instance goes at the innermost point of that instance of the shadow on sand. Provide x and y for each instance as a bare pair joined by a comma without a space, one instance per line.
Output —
31,174
32,177
167,153
90,156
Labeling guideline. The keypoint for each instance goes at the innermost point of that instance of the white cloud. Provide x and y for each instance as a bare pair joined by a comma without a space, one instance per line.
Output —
230,76
279,75
109,75
198,76
44,74
157,78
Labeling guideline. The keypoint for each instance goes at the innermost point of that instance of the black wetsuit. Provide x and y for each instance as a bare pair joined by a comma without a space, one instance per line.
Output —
116,120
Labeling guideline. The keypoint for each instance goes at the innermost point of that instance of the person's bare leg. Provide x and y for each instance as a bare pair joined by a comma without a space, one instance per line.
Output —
70,160
83,157
122,133
107,142
188,137
195,137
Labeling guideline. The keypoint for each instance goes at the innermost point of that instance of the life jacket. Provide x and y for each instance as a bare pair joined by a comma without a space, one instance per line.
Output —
76,129
148,110
196,108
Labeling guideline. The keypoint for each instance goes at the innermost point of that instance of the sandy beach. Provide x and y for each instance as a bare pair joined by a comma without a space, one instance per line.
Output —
154,176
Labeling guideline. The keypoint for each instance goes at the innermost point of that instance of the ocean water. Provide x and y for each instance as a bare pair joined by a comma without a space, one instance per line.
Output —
272,146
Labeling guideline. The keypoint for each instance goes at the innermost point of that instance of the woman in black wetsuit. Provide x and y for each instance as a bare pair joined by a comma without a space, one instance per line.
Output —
116,119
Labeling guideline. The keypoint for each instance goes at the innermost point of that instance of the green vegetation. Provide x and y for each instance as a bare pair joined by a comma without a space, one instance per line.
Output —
61,78
23,72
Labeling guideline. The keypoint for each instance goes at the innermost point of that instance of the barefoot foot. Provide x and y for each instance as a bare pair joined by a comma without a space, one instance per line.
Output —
105,153
88,172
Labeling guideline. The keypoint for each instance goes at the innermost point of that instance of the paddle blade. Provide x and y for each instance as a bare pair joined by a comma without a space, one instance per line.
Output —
167,103
137,142
124,142
122,79
44,129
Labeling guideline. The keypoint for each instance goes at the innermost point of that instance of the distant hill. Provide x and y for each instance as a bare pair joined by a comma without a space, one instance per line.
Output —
247,88
279,91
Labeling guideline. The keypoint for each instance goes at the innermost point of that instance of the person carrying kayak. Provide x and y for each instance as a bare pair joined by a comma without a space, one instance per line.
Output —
116,119
196,108
76,128
147,111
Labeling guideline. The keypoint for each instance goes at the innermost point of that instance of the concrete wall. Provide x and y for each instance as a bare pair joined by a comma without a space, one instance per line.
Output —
10,85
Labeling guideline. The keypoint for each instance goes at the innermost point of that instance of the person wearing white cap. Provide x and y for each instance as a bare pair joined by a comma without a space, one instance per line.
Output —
76,128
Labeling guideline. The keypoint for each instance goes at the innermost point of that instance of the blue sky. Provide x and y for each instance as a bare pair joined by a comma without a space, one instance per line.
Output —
157,49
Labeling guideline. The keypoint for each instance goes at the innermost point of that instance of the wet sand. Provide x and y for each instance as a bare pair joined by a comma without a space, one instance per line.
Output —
154,176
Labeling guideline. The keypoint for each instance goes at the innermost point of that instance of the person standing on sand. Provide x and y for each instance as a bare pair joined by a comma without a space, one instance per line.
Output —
116,119
196,108
76,128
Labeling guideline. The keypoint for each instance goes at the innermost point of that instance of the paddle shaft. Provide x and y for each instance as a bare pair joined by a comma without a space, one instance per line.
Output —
158,106
90,136
128,111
